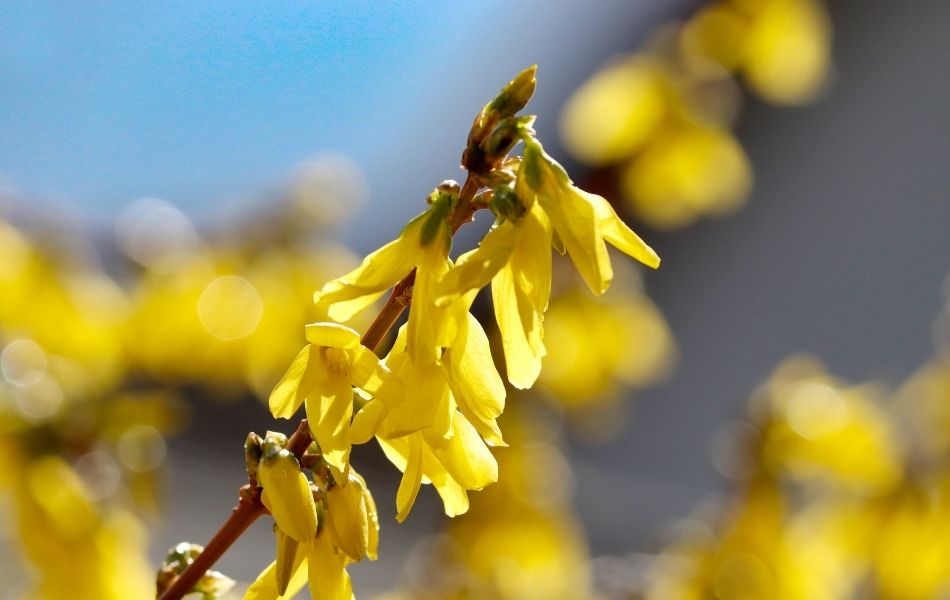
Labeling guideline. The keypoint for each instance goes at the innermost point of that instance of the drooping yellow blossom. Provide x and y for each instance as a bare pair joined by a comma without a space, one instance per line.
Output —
416,398
516,257
584,222
323,375
320,565
422,246
443,447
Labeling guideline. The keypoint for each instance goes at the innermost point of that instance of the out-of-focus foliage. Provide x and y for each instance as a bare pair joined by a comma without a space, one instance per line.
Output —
841,492
93,365
598,346
663,116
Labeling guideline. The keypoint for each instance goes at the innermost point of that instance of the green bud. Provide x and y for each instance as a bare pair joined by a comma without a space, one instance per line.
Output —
514,96
253,451
506,203
531,166
505,135
441,202
274,442
211,585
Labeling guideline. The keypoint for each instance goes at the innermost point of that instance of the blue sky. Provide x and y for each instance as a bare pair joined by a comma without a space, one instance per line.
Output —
194,102
207,104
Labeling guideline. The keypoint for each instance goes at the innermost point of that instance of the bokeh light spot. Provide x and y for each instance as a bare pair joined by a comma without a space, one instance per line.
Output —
230,308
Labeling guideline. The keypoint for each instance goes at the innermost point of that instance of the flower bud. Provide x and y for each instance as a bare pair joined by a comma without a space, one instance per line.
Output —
352,522
504,137
287,495
253,451
514,96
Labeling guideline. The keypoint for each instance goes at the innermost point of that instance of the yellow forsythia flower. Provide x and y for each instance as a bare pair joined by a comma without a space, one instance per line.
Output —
426,433
424,246
583,222
323,375
515,257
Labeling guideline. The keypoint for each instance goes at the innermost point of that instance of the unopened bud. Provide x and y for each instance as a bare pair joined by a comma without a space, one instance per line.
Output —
253,451
514,96
212,584
287,495
351,519
504,137
274,442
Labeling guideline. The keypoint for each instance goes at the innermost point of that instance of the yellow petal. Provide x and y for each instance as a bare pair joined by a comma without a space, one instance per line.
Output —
346,296
344,310
367,421
522,364
329,410
287,495
412,475
441,430
466,458
296,384
576,222
366,372
427,323
475,383
328,579
454,497
531,259
619,235
265,586
475,269
331,335
287,559
412,407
